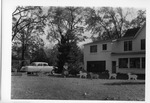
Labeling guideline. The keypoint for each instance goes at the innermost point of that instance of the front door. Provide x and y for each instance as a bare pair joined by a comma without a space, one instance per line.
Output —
113,66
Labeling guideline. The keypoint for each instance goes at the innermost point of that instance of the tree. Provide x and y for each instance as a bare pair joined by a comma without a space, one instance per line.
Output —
52,55
62,21
107,22
16,51
65,27
22,17
75,56
40,56
140,19
28,25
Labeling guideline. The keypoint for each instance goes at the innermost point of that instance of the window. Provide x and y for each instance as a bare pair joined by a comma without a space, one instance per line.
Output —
123,62
137,62
104,47
39,64
143,62
45,64
127,45
93,48
142,44
134,62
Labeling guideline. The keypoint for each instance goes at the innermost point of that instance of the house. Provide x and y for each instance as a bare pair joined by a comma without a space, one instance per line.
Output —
123,55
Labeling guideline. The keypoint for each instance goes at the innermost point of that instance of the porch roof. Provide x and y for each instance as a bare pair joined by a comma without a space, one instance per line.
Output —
127,53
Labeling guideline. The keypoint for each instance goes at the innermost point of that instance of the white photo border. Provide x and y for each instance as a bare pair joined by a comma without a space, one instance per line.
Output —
7,9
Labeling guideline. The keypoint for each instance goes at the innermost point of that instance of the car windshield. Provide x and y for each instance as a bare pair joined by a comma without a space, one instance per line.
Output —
38,64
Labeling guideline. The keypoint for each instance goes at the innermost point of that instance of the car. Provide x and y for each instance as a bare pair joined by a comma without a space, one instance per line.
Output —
37,67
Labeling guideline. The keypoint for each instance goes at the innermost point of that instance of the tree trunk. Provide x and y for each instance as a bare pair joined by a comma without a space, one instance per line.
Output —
23,51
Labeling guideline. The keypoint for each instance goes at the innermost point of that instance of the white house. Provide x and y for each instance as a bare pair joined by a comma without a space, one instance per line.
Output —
123,55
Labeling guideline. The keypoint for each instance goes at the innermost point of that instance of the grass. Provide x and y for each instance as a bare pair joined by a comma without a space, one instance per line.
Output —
58,88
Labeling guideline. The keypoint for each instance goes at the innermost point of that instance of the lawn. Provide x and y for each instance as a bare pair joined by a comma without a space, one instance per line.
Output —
58,88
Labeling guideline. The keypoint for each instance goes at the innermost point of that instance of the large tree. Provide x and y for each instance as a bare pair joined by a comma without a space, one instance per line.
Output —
27,26
65,27
25,16
108,22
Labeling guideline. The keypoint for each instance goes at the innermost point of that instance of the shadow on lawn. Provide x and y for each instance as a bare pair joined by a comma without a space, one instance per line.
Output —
125,83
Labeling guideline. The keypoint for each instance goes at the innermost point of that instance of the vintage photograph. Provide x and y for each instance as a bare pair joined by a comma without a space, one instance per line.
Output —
78,53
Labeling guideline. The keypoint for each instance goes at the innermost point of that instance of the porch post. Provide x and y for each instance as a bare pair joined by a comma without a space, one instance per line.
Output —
140,62
128,62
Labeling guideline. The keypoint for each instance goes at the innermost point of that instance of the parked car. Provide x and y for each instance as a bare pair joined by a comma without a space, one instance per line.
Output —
36,67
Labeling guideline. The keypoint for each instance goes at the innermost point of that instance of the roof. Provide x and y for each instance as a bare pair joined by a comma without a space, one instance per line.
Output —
128,53
130,34
40,62
100,41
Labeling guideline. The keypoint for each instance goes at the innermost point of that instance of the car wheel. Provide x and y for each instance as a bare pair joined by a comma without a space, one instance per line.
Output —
52,72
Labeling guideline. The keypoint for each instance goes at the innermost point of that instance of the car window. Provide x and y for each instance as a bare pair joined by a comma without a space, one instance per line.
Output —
45,64
39,64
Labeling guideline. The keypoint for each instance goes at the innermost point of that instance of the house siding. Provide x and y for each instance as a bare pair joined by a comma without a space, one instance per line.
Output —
116,46
137,40
136,47
100,55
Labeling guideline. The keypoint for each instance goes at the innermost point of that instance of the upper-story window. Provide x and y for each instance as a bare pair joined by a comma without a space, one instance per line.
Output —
127,45
93,48
104,47
142,44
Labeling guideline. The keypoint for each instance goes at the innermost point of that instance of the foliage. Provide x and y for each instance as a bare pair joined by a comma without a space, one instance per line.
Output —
65,26
108,22
63,21
24,17
27,26
71,54
140,19
75,56
52,55
40,56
